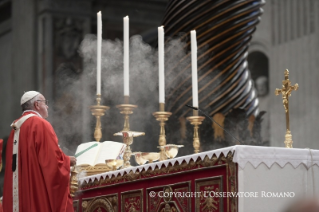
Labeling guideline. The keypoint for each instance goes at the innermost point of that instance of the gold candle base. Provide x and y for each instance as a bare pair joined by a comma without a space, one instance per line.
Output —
126,110
196,121
162,117
98,111
288,139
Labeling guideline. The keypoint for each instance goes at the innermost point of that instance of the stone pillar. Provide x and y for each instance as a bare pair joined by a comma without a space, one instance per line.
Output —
23,50
58,21
61,28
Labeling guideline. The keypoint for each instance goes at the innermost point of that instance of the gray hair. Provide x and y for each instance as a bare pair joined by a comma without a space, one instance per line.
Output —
29,105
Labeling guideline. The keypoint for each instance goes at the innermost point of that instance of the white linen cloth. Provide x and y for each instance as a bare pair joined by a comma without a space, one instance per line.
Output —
243,154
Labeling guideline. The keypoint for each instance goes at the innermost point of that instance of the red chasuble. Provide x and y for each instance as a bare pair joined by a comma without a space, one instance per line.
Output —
43,170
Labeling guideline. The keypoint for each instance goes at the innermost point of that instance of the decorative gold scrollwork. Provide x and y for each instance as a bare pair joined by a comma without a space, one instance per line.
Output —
206,162
97,204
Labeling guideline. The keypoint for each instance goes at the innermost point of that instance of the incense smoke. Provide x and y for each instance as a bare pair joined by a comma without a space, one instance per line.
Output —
79,92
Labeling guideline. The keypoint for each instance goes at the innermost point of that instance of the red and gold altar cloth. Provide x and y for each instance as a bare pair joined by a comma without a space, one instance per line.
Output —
202,182
186,182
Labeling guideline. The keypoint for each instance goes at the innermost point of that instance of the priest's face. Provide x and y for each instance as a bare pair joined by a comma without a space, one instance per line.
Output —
41,106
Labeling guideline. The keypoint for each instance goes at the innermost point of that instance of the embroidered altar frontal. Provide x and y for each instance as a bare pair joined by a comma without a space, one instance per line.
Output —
190,179
182,184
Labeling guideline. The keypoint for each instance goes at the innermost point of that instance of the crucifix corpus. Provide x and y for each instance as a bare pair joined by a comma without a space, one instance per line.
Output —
286,92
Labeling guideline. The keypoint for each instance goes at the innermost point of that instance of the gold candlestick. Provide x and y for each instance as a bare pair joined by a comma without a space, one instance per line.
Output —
196,121
127,109
162,116
98,110
286,92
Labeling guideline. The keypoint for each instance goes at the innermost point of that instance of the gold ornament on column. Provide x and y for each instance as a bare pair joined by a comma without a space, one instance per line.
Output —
162,116
286,92
218,127
98,110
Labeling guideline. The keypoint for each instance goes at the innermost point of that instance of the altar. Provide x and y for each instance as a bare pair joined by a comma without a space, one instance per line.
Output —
238,178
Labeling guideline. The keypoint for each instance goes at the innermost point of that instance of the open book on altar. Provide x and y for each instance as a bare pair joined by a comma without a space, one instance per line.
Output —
95,153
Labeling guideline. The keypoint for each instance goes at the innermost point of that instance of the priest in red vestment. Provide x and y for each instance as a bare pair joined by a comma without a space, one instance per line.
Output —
37,173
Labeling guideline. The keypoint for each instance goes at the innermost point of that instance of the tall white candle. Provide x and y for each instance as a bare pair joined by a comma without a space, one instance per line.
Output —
194,68
126,56
161,65
99,52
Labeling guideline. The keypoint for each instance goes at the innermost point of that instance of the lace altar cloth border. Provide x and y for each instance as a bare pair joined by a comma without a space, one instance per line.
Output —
243,154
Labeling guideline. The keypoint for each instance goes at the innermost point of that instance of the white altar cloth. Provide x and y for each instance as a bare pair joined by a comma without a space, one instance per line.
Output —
274,172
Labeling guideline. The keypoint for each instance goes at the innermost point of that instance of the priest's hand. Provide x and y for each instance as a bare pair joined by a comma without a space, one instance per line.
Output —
72,160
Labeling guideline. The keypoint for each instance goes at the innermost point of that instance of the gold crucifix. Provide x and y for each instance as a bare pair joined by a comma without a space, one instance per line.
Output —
286,92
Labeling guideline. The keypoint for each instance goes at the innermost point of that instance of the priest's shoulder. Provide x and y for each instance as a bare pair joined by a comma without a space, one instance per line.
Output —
39,120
